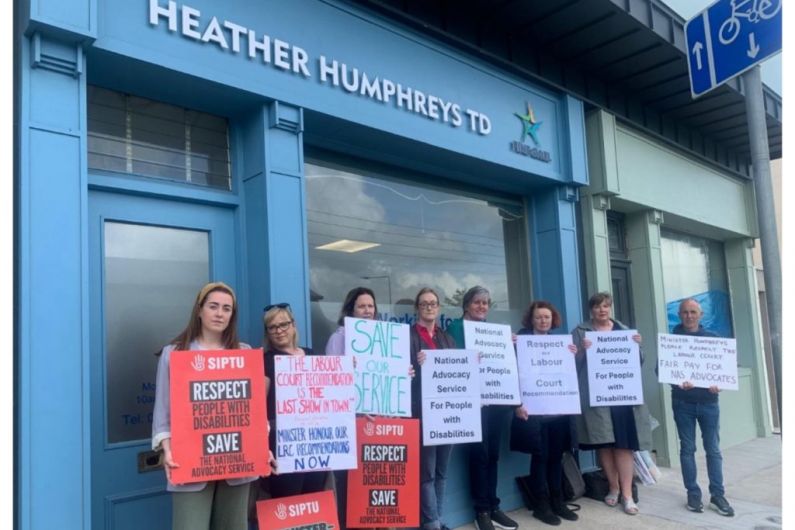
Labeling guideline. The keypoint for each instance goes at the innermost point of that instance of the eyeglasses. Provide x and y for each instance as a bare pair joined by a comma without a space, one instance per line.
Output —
282,305
428,305
282,326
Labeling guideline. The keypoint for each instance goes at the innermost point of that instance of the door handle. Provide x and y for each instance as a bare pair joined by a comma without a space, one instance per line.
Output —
149,461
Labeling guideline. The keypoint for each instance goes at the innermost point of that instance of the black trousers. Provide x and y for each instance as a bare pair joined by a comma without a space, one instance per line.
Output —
291,484
546,468
484,456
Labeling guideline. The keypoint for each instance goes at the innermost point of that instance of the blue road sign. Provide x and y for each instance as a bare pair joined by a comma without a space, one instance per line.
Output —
728,38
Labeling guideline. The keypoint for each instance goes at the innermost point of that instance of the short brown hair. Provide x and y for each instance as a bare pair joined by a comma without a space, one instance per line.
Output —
599,299
424,290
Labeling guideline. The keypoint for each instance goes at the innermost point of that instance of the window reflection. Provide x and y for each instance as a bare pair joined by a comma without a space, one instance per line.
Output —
152,275
397,237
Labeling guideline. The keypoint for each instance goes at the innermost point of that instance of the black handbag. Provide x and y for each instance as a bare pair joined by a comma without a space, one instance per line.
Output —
573,484
597,487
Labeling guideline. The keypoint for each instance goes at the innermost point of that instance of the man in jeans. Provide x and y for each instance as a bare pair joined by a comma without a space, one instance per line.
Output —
700,405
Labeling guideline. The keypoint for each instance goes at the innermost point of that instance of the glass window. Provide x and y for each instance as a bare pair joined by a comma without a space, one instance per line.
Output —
694,267
395,237
129,134
152,274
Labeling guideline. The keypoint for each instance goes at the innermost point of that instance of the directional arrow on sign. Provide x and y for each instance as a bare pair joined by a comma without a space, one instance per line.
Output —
753,47
697,47
713,58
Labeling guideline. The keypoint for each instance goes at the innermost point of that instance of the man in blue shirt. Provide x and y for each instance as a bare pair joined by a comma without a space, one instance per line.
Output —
691,405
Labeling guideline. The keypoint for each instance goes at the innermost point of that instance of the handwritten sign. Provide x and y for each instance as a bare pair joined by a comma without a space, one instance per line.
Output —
614,369
499,381
313,511
547,375
218,419
450,397
315,416
704,361
384,489
383,385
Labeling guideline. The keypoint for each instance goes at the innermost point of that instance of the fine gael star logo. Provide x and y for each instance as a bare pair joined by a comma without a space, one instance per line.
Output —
529,124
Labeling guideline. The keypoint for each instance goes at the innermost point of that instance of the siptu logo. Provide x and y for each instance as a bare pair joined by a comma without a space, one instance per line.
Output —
198,362
529,124
369,428
280,512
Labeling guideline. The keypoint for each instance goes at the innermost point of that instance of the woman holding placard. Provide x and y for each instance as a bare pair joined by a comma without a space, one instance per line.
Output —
426,334
218,504
484,456
359,303
281,338
546,438
613,431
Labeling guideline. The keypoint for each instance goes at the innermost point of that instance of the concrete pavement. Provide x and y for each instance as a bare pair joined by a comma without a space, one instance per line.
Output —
752,478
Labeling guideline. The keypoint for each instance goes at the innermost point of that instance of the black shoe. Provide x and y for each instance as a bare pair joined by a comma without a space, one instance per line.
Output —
560,509
694,504
483,521
444,527
543,512
721,505
498,518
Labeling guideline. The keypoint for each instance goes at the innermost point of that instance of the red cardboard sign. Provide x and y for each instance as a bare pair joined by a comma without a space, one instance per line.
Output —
385,489
313,511
218,419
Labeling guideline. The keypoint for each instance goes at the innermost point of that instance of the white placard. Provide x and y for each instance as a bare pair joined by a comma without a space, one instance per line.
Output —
614,368
450,397
547,375
704,361
382,351
499,376
315,414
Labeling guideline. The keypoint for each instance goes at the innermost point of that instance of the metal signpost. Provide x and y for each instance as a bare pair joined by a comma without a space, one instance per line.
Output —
723,41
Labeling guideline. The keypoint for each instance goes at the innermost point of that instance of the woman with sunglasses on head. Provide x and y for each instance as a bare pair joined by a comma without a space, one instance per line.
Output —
613,431
426,334
281,338
546,438
217,504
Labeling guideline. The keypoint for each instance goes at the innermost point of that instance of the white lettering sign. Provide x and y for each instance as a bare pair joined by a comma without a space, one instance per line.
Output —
614,369
499,380
315,413
704,361
234,38
450,397
547,375
382,350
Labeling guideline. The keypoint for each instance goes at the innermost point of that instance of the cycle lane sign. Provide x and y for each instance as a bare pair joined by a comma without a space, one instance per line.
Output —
729,37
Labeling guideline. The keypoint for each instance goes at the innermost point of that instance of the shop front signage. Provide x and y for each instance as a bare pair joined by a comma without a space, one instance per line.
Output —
237,39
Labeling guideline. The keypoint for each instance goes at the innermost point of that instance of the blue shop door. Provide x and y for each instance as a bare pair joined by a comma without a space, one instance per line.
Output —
148,259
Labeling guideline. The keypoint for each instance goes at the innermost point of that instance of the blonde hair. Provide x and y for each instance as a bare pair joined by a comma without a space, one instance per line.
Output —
268,319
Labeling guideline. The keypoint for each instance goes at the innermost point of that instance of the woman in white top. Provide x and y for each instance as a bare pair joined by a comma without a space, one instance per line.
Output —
217,504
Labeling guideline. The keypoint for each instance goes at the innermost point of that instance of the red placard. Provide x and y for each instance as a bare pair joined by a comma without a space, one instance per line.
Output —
218,419
385,489
313,511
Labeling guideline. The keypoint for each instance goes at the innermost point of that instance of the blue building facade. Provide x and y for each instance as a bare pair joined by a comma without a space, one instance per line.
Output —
163,144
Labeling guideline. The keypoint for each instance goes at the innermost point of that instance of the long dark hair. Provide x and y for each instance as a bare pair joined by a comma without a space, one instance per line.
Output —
350,303
194,327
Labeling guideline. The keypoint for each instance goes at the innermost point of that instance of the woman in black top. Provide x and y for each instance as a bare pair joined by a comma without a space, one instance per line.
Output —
281,338
426,334
545,437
